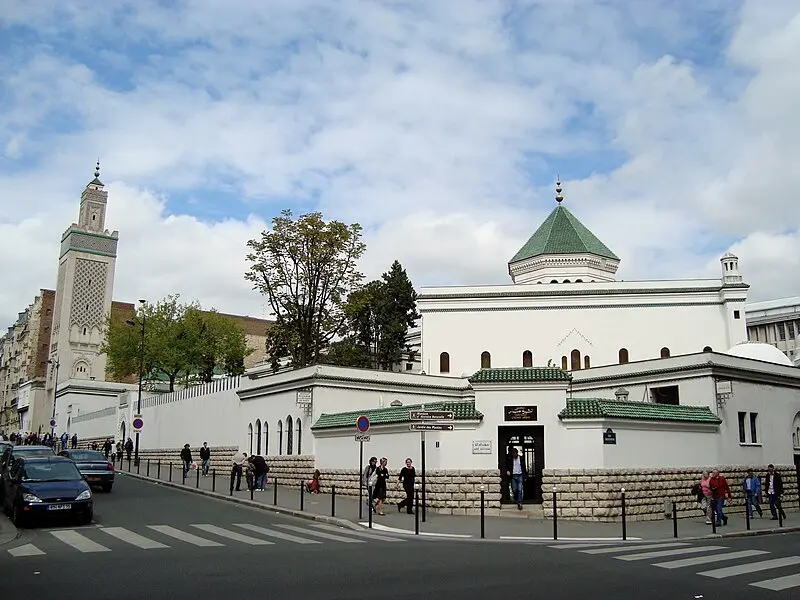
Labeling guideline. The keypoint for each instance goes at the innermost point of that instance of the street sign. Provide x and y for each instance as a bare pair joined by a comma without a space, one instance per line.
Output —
362,437
52,422
138,423
430,427
362,424
431,415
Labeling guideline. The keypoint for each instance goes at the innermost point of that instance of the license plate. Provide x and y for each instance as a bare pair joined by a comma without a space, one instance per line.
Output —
92,479
59,507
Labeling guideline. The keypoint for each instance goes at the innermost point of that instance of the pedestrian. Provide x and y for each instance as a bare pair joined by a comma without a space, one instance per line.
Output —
707,501
774,487
719,491
129,448
408,476
107,446
752,493
186,457
381,485
260,469
74,441
312,487
515,470
370,478
205,456
236,471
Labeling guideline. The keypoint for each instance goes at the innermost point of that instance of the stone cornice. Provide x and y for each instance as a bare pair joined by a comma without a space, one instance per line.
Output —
639,425
575,306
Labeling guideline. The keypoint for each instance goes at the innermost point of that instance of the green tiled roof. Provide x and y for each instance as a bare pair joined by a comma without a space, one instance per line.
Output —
562,233
462,411
598,408
96,181
520,375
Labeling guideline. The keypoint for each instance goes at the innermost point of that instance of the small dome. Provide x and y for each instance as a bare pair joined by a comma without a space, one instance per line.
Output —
760,351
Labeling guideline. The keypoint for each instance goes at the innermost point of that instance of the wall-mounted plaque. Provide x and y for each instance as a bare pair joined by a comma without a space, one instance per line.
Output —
609,437
481,446
521,413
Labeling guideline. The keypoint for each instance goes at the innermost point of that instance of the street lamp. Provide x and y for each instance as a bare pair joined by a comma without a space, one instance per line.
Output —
141,374
56,364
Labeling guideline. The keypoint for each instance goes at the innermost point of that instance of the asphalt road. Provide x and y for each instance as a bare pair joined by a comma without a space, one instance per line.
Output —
128,553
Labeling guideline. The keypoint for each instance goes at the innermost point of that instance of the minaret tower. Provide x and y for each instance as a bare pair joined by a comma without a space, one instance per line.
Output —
84,289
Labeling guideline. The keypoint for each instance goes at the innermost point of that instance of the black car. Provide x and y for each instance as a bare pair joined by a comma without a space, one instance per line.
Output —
42,487
8,456
94,466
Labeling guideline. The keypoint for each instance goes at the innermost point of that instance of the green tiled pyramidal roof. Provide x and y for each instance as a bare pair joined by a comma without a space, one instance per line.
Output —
462,411
598,408
562,233
520,375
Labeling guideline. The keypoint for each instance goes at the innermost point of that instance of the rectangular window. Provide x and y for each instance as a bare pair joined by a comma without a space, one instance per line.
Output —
742,430
665,395
790,327
736,314
753,428
781,331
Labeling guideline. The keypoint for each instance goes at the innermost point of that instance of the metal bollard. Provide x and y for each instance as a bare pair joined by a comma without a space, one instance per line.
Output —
483,504
170,472
779,507
138,465
213,480
197,483
674,519
624,521
555,514
302,495
274,491
158,471
252,488
183,471
713,516
148,467
333,500
129,464
416,511
370,510
747,513
233,478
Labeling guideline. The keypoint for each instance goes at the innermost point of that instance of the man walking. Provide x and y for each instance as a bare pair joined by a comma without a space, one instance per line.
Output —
408,476
186,457
205,456
719,491
774,486
515,470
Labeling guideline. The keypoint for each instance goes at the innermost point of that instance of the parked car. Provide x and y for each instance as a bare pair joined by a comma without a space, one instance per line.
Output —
42,487
10,454
94,466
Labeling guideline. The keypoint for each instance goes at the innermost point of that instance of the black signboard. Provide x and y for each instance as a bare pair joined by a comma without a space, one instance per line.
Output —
521,413
609,437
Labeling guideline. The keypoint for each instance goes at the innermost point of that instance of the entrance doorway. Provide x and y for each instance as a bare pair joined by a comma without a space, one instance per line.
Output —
122,432
529,442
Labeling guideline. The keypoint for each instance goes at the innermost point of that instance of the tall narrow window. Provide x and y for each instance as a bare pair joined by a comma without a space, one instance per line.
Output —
665,352
753,428
289,435
623,356
707,349
258,436
298,435
563,363
280,438
486,360
250,437
266,438
527,358
587,362
575,360
742,430
444,362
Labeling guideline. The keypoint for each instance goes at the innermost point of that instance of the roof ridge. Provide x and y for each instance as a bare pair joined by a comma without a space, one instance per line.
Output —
582,231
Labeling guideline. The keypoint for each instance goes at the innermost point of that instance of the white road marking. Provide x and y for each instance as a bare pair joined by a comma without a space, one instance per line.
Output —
276,534
183,536
232,535
361,534
133,538
380,527
702,560
327,536
578,546
764,565
78,541
633,547
779,583
663,553
26,550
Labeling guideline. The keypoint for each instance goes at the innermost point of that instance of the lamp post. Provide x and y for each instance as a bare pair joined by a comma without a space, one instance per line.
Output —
56,364
141,375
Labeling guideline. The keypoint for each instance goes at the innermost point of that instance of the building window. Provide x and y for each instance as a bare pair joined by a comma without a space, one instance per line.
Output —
554,281
665,352
258,436
575,360
742,421
486,360
266,438
289,435
736,314
587,363
566,281
409,366
667,394
623,356
753,428
280,438
563,363
444,362
707,349
527,358
790,327
781,332
579,281
250,437
298,434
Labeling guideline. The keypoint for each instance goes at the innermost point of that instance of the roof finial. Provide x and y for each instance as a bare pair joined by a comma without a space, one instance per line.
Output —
559,197
97,169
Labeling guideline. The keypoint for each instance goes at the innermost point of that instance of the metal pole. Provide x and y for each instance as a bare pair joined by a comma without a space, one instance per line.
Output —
555,514
274,491
197,483
747,512
780,510
252,488
333,500
369,494
302,496
148,467
416,512
483,529
424,504
213,480
55,389
361,481
624,522
138,467
129,464
183,471
713,516
170,472
158,473
141,375
674,519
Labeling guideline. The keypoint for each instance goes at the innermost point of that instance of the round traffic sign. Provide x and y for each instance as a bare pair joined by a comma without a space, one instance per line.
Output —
138,423
362,424
52,422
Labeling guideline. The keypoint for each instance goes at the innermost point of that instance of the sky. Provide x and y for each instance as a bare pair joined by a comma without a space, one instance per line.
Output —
439,126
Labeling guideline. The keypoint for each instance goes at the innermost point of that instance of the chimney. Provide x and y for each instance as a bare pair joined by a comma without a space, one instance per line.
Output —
621,394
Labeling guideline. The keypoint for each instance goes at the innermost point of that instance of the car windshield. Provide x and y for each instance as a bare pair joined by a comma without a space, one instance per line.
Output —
51,471
87,455
33,451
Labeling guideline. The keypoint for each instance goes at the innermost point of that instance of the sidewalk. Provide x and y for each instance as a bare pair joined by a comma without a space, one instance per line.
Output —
452,526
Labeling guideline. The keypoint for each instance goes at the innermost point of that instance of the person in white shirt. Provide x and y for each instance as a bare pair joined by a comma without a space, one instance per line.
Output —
515,471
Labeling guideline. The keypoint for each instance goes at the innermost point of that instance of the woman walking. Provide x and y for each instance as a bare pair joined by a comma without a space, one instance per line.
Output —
381,485
707,502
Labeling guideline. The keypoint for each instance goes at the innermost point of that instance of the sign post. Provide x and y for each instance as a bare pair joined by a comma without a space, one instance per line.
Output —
138,424
362,425
420,416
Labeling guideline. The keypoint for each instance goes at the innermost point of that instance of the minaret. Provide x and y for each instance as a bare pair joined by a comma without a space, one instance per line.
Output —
84,289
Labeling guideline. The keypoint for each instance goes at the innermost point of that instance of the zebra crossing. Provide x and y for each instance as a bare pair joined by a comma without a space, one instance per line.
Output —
700,558
98,539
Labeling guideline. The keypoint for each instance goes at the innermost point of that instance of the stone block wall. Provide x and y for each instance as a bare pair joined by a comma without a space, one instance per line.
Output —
595,494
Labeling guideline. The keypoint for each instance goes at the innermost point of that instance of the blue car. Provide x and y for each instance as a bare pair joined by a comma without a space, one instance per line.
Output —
39,488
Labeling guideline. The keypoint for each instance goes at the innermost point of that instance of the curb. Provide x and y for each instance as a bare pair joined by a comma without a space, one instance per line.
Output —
8,533
251,503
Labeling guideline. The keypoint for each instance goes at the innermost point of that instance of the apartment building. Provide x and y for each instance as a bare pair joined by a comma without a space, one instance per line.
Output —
776,322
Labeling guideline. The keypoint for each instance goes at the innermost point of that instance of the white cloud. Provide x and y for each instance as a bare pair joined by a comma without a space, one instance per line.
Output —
674,129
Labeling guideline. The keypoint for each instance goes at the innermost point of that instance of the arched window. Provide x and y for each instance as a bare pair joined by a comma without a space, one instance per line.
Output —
527,358
258,436
707,349
280,438
579,281
665,352
575,360
266,438
298,435
554,281
587,362
566,281
563,363
623,356
289,435
444,362
486,360
250,438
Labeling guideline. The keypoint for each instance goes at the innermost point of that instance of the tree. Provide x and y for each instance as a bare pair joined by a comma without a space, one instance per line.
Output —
306,268
215,342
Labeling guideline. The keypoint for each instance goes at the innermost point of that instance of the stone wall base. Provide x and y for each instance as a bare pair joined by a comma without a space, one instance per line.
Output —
595,494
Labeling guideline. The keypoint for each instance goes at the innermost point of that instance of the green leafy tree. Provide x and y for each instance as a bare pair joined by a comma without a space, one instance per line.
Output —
306,268
217,343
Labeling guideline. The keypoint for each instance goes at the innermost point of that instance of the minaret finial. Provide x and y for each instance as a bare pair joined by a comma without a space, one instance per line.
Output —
559,197
97,169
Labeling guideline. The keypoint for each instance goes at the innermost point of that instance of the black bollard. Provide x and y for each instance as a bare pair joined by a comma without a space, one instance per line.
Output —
213,480
183,471
158,471
624,520
233,478
138,466
197,483
148,467
333,500
416,509
170,472
780,511
369,497
713,516
129,464
483,529
274,492
302,495
747,512
555,514
252,488
674,519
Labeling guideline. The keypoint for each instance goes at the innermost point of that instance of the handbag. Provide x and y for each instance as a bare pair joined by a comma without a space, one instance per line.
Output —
373,479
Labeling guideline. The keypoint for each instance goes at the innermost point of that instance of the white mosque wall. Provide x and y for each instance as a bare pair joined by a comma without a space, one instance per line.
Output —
95,424
339,450
78,397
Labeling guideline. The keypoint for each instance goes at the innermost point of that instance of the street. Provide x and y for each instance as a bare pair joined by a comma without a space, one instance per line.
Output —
155,542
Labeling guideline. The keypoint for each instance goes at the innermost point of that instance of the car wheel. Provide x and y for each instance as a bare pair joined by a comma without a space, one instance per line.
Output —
107,488
18,518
